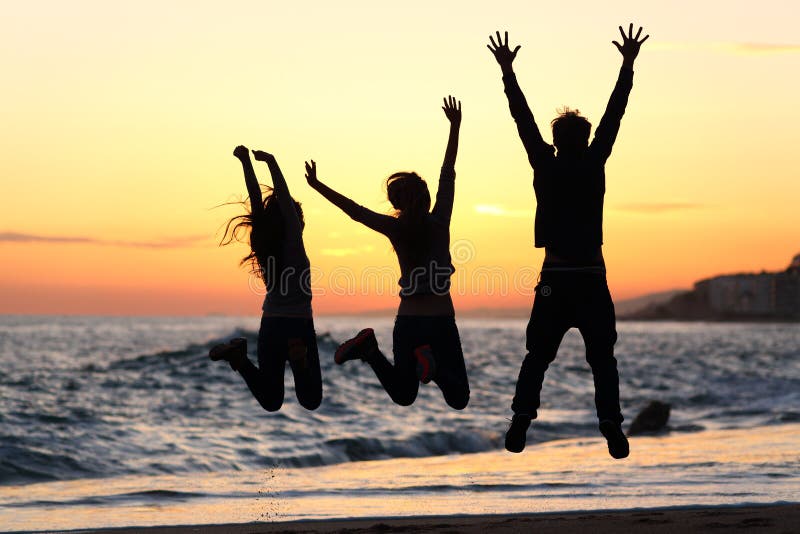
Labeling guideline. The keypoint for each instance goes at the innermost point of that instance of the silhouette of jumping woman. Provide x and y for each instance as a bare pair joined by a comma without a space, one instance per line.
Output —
275,226
572,290
426,341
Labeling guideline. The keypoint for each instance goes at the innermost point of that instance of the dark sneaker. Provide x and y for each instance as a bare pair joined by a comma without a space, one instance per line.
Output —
617,442
234,352
298,353
426,364
360,347
516,433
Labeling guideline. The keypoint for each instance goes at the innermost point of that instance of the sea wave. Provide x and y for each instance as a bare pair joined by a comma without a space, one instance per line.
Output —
98,397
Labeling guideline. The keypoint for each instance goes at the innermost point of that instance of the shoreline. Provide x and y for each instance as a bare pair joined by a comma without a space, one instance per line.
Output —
768,518
671,480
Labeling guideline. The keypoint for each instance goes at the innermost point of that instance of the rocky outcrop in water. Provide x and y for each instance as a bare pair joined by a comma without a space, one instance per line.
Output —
652,419
765,296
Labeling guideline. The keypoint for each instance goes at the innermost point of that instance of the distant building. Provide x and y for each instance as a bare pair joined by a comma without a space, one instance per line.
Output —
762,295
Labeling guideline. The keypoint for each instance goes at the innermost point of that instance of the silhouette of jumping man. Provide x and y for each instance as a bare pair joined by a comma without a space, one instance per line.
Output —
572,290
275,226
426,341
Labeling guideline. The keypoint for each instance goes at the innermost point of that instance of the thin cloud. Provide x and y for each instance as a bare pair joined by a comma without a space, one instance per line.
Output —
494,210
656,207
763,48
748,49
175,242
341,252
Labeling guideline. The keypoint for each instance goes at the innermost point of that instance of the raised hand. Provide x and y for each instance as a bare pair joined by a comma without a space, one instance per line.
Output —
260,155
504,55
452,110
241,152
311,173
630,45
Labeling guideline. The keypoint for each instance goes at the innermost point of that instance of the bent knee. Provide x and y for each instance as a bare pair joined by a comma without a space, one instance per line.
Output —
458,403
543,351
404,399
601,355
311,404
272,406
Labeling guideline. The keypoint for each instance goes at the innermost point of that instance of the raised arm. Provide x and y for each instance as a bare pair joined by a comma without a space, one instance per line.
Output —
532,140
443,208
377,221
607,130
293,228
253,189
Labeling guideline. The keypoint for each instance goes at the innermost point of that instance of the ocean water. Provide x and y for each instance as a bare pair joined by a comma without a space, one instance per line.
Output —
127,419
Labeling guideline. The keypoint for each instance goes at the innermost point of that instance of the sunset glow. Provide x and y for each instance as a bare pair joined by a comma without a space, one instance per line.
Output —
119,122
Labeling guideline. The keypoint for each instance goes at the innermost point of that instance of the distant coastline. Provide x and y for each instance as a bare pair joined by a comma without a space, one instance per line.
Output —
764,296
753,297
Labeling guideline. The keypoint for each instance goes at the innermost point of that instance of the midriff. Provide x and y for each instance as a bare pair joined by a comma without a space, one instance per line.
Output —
553,258
428,304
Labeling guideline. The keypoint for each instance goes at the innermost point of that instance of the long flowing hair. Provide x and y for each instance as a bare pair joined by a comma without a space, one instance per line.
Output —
265,233
410,197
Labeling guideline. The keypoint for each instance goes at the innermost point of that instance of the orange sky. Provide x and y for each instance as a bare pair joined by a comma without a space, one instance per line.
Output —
119,121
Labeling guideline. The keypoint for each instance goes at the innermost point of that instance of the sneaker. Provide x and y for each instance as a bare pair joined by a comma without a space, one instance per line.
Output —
234,352
617,442
298,353
360,347
426,364
517,432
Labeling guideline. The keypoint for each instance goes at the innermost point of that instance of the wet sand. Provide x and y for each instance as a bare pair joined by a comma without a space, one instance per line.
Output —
710,481
778,519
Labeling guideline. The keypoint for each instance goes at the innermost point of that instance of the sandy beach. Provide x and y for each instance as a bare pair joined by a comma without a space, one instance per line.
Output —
783,519
161,448
694,482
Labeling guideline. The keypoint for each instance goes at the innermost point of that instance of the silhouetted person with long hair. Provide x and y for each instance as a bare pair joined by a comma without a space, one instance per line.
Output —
275,227
426,341
572,291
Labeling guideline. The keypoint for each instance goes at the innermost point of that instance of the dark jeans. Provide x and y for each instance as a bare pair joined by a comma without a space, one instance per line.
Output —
564,300
411,331
275,337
